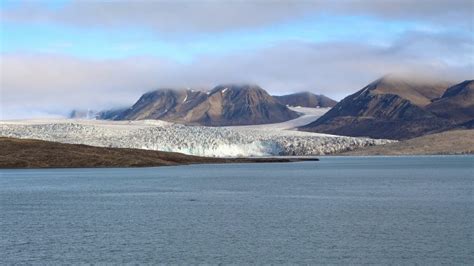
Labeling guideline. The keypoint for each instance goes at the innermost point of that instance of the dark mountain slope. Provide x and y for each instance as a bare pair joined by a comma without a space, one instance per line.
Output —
386,108
456,104
164,104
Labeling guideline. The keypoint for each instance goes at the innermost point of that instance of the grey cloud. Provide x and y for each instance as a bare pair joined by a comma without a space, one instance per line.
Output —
212,16
165,16
437,11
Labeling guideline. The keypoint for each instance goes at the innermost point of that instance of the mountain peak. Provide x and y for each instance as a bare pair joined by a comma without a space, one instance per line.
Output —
418,91
227,104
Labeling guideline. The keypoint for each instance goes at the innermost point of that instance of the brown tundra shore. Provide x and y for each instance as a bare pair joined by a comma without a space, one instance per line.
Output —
28,153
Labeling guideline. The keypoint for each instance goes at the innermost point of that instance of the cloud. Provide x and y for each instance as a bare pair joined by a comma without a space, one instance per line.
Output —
50,83
164,16
454,12
215,16
68,82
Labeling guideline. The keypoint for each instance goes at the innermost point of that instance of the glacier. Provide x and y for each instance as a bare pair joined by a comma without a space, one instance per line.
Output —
261,140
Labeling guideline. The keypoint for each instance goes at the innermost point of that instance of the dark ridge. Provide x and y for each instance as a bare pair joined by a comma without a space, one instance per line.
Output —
456,104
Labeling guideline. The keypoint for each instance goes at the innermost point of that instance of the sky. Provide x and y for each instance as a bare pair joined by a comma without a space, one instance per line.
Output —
60,55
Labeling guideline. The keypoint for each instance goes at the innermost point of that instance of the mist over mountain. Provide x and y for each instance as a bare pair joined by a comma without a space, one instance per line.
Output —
83,114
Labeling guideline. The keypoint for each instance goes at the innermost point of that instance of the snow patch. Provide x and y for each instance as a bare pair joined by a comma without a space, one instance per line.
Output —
309,115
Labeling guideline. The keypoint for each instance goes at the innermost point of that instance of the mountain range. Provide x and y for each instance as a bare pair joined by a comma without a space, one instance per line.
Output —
390,108
224,105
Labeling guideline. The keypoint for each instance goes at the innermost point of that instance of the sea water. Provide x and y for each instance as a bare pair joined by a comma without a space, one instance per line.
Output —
399,210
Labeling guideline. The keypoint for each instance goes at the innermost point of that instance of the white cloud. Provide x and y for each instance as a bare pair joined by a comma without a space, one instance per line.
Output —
53,84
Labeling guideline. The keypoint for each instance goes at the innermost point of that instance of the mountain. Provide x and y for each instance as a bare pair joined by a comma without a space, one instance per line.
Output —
389,107
456,104
224,105
306,99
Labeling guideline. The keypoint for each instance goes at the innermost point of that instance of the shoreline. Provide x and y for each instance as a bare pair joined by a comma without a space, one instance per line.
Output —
18,153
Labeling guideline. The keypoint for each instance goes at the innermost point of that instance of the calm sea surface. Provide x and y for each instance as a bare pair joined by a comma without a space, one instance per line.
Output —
340,210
